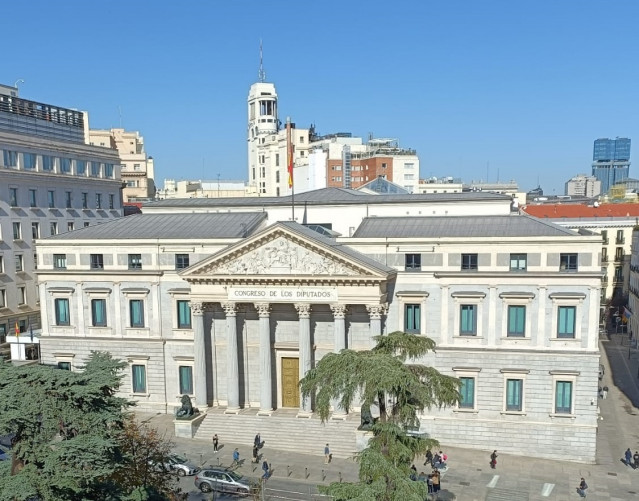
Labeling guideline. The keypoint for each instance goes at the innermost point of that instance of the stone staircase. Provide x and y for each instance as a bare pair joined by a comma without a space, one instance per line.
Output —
282,430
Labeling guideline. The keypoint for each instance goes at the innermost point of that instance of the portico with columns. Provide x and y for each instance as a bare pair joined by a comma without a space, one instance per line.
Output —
268,308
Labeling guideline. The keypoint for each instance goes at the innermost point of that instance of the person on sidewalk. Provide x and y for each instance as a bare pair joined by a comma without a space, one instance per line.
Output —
236,457
635,460
628,457
493,459
581,490
216,441
327,455
429,458
605,392
255,454
265,469
257,441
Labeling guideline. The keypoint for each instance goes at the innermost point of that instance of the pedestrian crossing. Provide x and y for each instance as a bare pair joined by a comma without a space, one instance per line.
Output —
498,494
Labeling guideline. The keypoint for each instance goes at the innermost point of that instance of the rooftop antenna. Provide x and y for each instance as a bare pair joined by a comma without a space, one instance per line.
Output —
261,75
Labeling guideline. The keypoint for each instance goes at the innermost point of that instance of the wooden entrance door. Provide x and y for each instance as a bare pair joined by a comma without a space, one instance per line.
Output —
290,378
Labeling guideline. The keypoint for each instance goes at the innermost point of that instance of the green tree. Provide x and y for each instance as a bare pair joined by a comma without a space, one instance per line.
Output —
386,376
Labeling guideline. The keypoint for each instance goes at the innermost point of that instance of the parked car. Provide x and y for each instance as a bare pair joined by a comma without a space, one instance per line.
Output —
222,480
178,464
4,453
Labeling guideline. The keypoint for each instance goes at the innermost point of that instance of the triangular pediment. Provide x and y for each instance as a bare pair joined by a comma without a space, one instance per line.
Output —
281,251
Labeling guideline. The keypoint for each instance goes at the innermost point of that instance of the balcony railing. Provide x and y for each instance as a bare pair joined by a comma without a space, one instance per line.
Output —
620,240
618,259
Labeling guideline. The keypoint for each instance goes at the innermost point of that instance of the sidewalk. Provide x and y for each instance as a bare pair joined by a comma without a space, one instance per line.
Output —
469,476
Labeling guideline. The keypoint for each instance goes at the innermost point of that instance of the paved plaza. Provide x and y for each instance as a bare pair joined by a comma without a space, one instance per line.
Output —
469,476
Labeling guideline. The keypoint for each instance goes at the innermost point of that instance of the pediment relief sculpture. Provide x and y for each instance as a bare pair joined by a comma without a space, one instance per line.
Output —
281,256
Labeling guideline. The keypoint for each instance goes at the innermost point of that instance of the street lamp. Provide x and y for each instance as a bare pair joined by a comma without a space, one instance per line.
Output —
17,82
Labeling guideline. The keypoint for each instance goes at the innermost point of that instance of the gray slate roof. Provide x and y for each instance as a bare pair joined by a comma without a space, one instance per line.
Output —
326,196
459,227
171,226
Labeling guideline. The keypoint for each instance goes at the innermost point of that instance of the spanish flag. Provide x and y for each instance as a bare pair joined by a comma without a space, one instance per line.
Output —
17,329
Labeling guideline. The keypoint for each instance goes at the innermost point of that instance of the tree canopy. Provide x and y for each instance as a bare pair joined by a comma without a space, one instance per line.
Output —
69,429
388,377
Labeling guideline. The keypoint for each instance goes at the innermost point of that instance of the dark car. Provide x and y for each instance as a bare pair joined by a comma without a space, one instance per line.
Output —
222,480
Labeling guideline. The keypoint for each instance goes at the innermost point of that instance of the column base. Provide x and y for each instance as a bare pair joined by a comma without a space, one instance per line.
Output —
303,414
339,416
265,412
232,410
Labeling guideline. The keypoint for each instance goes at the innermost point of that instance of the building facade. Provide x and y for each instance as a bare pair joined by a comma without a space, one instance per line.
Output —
583,186
233,307
51,182
137,168
611,161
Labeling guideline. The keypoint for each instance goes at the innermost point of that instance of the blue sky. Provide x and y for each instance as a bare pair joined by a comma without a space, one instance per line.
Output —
518,89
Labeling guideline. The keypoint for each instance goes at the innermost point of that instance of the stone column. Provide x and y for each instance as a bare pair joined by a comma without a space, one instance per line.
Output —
339,326
199,352
232,365
304,312
266,381
375,312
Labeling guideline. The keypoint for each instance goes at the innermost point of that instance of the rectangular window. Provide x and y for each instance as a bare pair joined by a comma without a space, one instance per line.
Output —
17,231
181,261
516,321
568,262
97,261
98,201
135,261
13,197
413,262
277,160
51,198
35,230
33,201
3,304
10,158
80,167
469,262
183,315
87,224
29,160
563,397
95,169
67,199
412,318
1,265
98,313
518,262
108,170
47,162
468,320
467,391
111,201
53,227
22,299
65,165
136,310
514,389
60,261
70,226
62,311
566,321
85,200
65,366
186,379
138,377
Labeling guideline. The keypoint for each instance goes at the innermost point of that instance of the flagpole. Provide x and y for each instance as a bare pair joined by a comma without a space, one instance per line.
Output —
290,162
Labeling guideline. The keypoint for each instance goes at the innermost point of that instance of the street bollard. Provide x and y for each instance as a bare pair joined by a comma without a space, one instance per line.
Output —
340,477
288,471
323,475
201,460
218,461
306,472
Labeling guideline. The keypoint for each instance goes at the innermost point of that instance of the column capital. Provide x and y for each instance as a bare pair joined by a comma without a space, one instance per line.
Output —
303,310
197,308
230,309
339,310
375,311
263,309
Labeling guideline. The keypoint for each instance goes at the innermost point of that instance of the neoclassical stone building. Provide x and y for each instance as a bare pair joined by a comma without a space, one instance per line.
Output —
234,307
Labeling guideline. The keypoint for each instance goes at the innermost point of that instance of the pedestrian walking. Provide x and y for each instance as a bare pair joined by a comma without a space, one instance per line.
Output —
581,490
255,454
216,441
257,441
327,454
429,458
605,392
635,460
628,455
493,459
265,469
236,457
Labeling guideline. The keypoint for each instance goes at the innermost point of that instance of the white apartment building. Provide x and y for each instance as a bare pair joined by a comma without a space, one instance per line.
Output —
202,189
231,302
582,185
335,160
137,168
51,182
